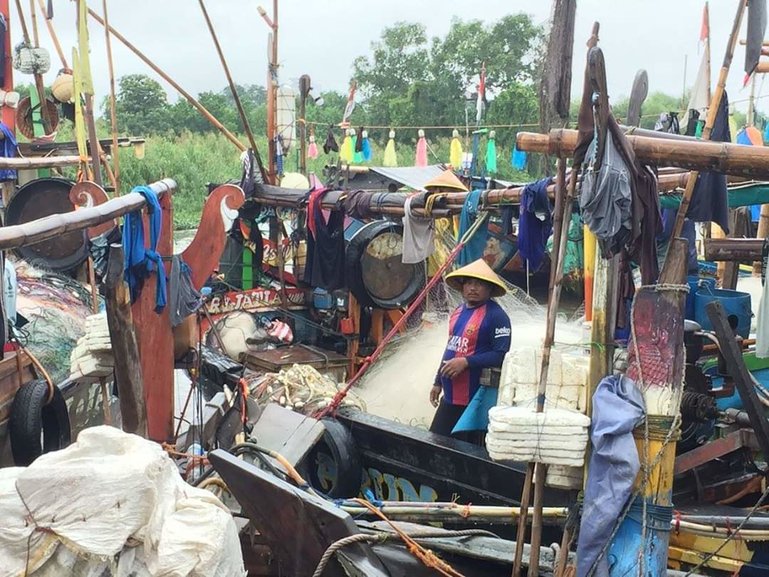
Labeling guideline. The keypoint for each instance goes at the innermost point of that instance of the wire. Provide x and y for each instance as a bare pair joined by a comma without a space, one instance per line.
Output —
731,536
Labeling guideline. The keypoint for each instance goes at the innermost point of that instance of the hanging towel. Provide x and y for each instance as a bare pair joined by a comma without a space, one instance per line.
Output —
709,201
390,157
185,299
418,236
357,144
518,159
421,154
330,145
536,222
312,149
8,150
366,147
762,322
473,249
455,152
347,152
618,407
491,154
140,262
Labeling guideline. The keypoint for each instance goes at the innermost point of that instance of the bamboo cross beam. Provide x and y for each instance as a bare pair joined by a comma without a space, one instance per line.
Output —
725,157
33,163
194,102
57,224
734,249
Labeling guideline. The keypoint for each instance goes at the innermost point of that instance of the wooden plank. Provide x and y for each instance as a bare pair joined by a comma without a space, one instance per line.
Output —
156,340
205,250
739,372
125,349
286,432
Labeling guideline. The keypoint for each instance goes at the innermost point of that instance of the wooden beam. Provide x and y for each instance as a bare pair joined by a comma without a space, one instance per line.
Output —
739,372
125,349
752,161
39,162
733,249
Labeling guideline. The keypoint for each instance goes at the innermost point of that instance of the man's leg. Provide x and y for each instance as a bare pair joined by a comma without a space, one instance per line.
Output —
446,416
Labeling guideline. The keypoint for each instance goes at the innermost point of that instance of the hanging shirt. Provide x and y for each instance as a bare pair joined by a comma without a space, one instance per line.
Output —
536,222
473,249
418,236
325,266
709,201
482,336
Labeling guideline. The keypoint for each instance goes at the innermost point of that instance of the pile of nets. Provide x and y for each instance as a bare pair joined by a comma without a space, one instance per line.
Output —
56,307
301,388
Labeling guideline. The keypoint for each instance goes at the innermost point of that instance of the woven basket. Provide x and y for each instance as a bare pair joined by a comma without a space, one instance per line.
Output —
24,117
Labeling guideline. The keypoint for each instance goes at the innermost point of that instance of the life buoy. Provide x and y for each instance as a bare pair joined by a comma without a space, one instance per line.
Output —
334,465
36,427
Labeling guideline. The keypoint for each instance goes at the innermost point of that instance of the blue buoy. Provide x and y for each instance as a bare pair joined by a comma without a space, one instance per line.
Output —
735,303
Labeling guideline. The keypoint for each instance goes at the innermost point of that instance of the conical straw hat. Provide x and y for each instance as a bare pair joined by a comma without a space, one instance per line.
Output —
480,270
446,180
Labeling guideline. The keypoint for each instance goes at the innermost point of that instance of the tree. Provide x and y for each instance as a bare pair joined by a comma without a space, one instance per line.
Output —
142,106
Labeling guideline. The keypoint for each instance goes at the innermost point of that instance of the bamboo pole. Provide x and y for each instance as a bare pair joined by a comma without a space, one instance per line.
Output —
447,512
712,112
57,224
200,108
234,90
54,37
112,101
734,159
34,163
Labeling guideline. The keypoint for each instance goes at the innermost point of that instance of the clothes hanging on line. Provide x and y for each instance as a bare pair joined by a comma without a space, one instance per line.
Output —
325,266
141,262
473,249
535,223
418,235
184,298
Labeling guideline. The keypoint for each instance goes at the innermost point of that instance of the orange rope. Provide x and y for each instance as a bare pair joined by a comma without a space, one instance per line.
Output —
427,557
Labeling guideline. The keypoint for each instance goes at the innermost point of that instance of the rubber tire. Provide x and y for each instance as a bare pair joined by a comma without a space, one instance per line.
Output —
337,442
31,418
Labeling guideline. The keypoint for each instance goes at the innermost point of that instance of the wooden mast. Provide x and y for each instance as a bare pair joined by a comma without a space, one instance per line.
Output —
272,87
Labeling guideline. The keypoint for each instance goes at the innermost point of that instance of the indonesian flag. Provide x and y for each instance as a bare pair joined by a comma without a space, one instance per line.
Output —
705,28
481,94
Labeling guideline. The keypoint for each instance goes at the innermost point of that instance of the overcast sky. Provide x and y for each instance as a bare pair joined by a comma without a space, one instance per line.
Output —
322,37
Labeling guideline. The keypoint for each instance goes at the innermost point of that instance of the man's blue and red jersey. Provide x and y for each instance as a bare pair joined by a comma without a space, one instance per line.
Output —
482,335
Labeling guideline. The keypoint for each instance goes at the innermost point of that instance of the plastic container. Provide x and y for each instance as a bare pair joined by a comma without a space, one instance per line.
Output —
696,283
623,551
322,299
735,303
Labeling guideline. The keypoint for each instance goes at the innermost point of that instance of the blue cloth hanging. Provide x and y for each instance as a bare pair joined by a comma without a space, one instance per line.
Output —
518,159
766,133
476,415
8,150
536,222
141,262
473,249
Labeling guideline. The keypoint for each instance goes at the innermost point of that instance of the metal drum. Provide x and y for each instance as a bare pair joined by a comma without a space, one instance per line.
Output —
375,273
40,198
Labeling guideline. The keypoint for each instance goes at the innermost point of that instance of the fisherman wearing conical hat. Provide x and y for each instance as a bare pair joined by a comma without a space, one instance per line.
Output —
479,338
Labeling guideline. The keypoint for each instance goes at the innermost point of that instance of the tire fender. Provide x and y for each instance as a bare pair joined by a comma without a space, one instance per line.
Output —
338,445
35,427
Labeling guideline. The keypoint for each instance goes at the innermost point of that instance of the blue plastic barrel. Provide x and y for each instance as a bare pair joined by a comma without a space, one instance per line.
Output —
696,283
735,303
623,551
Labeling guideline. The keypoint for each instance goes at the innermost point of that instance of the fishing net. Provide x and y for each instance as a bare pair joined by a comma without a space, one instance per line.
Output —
397,386
56,308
